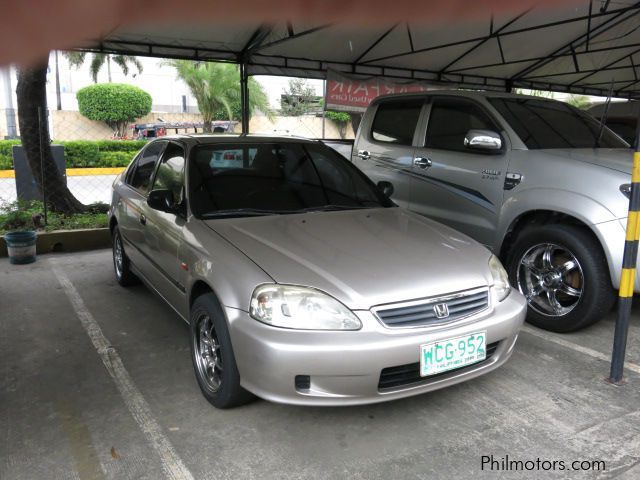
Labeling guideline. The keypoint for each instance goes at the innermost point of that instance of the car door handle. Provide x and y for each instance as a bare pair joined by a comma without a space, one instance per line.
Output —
422,162
143,220
364,154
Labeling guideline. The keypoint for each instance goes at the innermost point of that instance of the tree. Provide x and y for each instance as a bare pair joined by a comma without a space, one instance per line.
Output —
341,119
299,98
216,88
34,131
579,101
116,104
98,60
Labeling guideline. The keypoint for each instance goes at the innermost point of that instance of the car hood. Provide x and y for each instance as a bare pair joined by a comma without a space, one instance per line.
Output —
620,159
361,257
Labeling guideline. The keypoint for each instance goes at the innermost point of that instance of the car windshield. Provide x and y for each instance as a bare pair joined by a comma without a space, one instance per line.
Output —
552,124
247,179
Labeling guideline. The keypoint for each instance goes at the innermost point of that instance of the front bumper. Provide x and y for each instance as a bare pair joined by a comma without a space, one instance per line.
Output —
344,367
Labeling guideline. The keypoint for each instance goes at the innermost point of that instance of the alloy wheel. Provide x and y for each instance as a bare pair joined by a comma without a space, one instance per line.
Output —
208,354
118,255
551,279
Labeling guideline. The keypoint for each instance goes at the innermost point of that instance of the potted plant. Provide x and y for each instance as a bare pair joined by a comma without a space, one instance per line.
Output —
18,220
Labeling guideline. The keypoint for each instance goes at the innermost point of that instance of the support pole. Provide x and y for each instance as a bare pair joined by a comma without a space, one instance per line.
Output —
12,131
627,279
244,97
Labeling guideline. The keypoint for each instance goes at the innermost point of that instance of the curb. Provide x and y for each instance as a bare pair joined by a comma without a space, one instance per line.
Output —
67,241
75,172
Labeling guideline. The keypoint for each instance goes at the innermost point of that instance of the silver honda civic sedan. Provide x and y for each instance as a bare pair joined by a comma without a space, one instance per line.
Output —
301,281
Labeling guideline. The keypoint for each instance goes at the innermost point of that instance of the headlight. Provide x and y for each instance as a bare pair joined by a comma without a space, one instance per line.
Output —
625,188
301,308
500,278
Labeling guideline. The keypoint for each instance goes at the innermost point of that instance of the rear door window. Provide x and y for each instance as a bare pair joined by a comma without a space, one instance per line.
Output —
396,121
451,119
145,166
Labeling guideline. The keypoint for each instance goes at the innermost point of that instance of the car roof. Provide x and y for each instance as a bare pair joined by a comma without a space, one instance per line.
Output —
241,138
474,94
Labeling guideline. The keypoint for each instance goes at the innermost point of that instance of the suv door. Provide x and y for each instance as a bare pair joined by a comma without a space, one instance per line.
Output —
386,145
453,183
163,230
133,204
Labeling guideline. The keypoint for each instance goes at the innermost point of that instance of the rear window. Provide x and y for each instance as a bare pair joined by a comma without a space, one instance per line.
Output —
396,121
548,124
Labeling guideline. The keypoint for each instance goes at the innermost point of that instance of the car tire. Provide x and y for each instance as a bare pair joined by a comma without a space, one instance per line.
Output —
212,355
121,263
564,275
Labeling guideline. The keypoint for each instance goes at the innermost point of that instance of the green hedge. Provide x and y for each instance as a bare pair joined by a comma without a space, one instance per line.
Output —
83,153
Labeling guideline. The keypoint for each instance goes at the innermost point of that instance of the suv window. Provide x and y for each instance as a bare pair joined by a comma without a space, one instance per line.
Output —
395,121
551,124
145,165
451,119
170,175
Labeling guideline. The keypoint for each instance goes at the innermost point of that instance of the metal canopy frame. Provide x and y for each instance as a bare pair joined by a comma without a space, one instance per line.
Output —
276,50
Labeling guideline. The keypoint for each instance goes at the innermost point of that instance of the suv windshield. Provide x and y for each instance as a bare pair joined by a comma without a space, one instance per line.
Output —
552,124
271,178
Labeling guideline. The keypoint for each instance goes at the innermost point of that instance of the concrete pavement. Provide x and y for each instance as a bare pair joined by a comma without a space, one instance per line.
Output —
64,413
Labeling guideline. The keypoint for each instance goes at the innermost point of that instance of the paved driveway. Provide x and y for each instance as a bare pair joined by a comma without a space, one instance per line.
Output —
96,382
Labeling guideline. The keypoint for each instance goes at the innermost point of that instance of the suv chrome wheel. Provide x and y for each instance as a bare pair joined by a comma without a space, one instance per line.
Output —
551,279
208,355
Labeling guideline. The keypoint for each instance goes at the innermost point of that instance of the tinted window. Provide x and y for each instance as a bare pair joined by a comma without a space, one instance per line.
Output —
395,122
450,120
170,175
141,178
277,178
552,124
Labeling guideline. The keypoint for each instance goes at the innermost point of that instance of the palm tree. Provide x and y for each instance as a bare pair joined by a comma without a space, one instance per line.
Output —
98,60
216,88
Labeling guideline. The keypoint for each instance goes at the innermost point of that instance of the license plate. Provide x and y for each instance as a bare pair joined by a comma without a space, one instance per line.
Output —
443,355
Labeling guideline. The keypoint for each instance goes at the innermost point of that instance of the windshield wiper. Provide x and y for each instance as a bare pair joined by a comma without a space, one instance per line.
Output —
332,208
239,212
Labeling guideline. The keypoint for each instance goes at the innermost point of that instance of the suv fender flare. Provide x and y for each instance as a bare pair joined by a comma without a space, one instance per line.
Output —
571,204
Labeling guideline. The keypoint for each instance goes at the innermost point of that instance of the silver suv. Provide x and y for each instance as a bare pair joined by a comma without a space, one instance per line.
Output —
535,180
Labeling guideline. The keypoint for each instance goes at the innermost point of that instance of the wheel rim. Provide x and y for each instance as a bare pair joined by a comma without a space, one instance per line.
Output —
551,278
118,255
208,355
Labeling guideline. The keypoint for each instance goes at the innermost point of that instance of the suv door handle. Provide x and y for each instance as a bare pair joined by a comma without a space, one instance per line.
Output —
143,219
422,162
364,154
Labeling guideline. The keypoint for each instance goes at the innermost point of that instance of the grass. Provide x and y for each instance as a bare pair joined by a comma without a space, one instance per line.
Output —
29,215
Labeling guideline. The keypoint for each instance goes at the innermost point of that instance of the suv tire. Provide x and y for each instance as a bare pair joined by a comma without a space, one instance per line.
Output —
563,273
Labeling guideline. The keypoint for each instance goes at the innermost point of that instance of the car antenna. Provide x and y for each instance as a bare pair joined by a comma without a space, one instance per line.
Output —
603,117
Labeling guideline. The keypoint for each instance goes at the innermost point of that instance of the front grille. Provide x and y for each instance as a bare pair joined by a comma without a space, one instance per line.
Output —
402,375
423,313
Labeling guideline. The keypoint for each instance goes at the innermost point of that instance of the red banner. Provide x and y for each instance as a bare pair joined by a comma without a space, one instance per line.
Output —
353,94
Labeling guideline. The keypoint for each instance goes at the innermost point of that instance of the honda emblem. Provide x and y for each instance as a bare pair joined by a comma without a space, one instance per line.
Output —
441,310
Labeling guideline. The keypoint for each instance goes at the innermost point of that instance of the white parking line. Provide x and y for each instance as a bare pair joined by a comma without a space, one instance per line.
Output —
172,464
578,348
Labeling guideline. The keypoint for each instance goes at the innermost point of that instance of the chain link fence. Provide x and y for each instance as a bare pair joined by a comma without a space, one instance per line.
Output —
49,180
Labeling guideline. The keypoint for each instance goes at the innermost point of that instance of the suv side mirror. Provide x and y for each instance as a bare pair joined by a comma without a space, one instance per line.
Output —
487,140
386,188
162,200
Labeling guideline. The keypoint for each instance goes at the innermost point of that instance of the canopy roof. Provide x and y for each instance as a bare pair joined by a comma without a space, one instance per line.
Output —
590,48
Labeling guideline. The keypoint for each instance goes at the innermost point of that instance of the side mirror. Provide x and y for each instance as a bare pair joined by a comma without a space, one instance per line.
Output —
162,200
483,140
386,188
